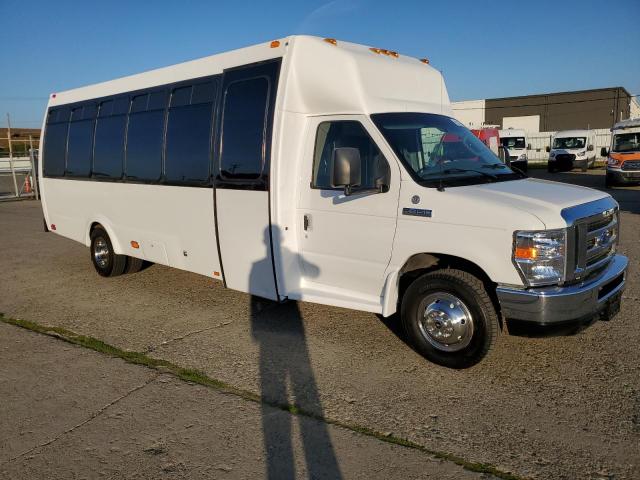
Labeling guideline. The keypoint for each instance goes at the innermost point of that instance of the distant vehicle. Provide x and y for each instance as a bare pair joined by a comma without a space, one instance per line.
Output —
263,168
623,158
489,136
515,141
572,149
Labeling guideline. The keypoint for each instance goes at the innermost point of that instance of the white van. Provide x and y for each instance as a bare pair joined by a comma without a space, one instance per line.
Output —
623,157
515,141
324,171
571,149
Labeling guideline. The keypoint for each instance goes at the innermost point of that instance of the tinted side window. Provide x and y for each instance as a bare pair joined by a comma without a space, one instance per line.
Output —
331,135
109,147
55,143
243,129
144,145
188,143
79,148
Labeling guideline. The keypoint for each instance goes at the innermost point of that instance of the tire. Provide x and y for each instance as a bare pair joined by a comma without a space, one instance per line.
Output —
476,327
104,259
134,265
608,181
551,169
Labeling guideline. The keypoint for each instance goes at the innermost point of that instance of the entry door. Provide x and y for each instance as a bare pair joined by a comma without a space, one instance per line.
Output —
347,240
241,179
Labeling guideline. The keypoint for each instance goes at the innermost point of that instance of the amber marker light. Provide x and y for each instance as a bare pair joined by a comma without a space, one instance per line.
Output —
216,274
526,253
275,44
425,61
135,244
376,50
332,41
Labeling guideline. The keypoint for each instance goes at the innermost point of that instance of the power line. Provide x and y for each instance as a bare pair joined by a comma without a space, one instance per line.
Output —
543,104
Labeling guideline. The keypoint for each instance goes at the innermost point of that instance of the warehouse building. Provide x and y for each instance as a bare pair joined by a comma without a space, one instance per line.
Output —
549,112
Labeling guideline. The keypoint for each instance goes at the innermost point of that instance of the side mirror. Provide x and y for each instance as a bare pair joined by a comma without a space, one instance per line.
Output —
548,149
346,165
604,152
528,146
590,148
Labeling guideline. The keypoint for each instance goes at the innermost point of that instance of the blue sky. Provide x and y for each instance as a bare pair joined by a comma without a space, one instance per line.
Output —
485,49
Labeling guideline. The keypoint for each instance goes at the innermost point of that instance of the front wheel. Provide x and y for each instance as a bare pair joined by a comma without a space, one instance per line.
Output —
449,318
608,181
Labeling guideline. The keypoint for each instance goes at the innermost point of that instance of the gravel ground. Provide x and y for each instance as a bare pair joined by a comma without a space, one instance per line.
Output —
561,407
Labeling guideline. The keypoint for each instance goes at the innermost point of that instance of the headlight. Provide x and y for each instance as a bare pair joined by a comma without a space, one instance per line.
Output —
612,162
523,156
540,256
582,153
552,155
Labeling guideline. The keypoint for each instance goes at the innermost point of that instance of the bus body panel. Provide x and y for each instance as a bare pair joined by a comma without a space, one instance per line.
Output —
172,225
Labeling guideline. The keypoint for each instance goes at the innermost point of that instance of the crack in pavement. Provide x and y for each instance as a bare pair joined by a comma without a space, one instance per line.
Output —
152,348
84,422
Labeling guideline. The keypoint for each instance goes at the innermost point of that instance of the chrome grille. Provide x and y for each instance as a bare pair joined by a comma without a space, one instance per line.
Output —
631,165
591,240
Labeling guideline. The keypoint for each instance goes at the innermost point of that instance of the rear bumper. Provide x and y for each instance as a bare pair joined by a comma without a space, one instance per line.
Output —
580,303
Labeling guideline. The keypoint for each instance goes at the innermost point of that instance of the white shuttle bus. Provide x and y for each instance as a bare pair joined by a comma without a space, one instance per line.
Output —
324,171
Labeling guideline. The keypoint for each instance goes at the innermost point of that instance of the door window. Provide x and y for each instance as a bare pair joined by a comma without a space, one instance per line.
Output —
243,129
348,133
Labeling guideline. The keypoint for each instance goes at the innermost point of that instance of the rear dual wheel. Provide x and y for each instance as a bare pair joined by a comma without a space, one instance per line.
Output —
106,262
449,318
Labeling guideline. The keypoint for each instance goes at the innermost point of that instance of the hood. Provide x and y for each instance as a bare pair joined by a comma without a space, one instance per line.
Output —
542,198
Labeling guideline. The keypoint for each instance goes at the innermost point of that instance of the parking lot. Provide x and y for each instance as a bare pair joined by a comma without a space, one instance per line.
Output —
560,407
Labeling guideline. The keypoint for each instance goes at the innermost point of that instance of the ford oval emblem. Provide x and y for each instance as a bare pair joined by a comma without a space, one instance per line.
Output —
415,199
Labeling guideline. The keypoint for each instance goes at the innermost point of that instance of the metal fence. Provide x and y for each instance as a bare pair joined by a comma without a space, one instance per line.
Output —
18,174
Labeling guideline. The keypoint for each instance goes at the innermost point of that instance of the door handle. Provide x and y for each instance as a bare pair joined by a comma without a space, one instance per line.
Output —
306,221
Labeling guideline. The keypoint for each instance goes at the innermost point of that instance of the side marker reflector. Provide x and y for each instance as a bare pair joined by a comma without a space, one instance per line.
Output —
53,226
275,44
135,244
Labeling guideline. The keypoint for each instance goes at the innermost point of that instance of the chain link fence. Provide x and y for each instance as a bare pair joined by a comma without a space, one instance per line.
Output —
19,168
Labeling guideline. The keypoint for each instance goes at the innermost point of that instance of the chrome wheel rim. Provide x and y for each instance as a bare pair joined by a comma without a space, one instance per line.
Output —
101,252
446,322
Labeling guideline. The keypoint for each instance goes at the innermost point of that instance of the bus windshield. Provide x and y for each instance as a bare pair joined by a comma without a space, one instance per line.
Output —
436,149
626,142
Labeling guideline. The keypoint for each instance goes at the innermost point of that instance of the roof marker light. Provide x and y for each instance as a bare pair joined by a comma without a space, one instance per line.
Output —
376,50
135,244
393,54
332,41
275,44
425,61
53,95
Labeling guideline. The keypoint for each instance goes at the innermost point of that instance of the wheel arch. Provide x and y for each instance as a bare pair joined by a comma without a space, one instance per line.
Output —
421,263
104,223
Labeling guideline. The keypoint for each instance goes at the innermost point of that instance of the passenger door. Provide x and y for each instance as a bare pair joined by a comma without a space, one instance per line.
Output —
241,179
346,241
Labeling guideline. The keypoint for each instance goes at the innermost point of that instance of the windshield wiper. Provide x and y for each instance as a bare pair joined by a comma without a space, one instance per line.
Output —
494,165
446,171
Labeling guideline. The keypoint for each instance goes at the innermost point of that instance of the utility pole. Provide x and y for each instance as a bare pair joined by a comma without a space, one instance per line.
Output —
13,172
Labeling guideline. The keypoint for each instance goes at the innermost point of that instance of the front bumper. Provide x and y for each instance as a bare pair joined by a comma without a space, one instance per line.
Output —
623,176
554,305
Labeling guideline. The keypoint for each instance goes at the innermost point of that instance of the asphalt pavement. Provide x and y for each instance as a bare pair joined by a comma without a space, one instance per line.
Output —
560,407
